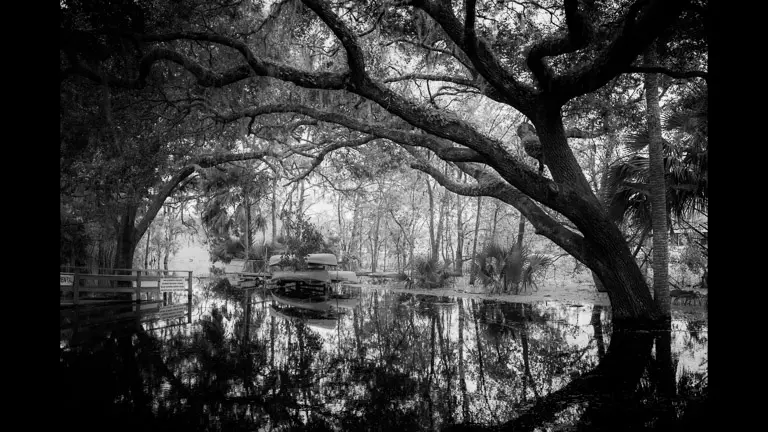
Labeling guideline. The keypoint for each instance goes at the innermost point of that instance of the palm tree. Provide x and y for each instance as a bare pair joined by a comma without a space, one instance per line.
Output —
685,180
228,213
685,162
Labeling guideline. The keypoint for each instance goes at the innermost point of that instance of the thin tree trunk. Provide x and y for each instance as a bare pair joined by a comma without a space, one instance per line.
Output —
462,378
342,237
526,360
658,190
495,215
274,210
459,237
597,326
445,353
375,244
300,210
146,249
432,236
248,239
474,241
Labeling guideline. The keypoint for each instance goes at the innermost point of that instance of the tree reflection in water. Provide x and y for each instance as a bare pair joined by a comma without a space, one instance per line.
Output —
396,361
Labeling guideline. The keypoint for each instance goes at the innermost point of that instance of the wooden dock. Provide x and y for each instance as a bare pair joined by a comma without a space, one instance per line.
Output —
143,284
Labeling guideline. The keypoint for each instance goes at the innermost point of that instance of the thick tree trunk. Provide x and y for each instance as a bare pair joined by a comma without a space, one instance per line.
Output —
126,238
597,329
608,255
126,244
605,251
658,190
602,193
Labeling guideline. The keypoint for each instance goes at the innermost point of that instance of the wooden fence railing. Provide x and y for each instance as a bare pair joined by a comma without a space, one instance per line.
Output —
134,281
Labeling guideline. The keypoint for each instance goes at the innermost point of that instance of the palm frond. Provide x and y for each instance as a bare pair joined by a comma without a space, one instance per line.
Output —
535,270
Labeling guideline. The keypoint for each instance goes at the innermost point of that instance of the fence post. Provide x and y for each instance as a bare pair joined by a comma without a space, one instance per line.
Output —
75,289
138,286
189,298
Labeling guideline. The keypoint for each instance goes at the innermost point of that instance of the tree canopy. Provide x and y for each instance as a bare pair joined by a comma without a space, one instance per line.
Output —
172,87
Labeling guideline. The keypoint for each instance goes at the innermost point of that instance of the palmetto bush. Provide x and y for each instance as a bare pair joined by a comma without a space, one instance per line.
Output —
510,270
429,273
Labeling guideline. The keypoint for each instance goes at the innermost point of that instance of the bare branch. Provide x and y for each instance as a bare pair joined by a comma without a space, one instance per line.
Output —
669,72
579,33
514,92
578,133
432,77
317,160
210,78
355,57
458,55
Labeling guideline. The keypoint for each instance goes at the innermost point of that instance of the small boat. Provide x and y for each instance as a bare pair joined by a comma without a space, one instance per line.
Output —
315,260
246,273
309,289
316,288
342,276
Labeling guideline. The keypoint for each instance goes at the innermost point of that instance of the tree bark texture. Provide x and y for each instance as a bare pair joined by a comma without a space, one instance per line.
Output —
658,190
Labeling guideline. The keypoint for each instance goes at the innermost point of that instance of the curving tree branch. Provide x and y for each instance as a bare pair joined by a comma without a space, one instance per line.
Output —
644,21
318,159
559,197
355,57
577,36
513,92
206,161
489,184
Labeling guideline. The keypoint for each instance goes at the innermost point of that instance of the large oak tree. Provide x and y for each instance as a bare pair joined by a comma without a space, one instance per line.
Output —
371,67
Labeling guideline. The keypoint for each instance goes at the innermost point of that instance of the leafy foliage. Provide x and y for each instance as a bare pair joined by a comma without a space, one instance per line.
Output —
301,238
685,160
429,273
512,269
228,211
693,258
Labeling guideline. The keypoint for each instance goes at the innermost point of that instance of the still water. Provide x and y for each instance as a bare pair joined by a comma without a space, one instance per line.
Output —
388,360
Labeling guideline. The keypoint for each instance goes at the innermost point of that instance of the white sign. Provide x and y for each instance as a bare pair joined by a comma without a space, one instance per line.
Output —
173,284
173,311
66,279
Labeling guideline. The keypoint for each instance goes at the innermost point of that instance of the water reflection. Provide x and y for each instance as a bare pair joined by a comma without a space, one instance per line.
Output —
393,360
